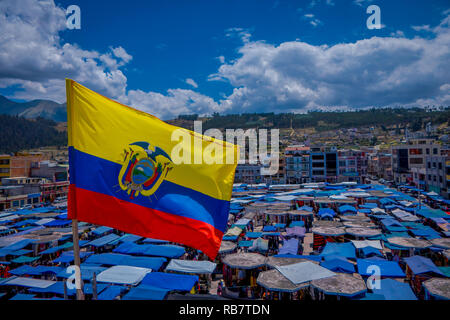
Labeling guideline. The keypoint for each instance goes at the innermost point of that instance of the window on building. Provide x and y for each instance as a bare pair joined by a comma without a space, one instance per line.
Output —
416,161
440,165
435,150
428,150
415,151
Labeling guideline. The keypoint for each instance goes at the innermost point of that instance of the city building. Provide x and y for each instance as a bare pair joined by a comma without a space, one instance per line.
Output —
20,164
248,173
54,179
409,159
380,165
436,173
5,163
324,164
297,162
19,191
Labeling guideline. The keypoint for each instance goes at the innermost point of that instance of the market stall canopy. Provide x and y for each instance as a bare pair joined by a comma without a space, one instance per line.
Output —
392,289
274,261
359,244
346,250
244,260
410,242
170,281
328,231
441,243
341,284
189,266
273,280
304,272
363,232
387,268
227,247
438,288
125,275
421,265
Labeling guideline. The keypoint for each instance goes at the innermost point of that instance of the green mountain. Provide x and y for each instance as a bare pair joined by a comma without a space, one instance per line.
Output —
18,133
34,109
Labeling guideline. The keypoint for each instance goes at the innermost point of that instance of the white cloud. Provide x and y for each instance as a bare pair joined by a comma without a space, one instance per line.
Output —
221,59
191,82
291,76
311,19
297,76
422,28
34,58
243,34
398,34
177,101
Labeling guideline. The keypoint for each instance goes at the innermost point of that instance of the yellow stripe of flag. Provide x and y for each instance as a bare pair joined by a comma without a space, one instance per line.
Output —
104,128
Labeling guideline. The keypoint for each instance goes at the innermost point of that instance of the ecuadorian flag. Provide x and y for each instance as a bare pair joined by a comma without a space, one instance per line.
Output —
123,173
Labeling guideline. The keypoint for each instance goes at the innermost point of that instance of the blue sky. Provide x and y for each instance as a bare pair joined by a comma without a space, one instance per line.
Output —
240,56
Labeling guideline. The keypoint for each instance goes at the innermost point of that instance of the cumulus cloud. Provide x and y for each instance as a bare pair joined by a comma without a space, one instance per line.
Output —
175,102
291,76
34,58
374,72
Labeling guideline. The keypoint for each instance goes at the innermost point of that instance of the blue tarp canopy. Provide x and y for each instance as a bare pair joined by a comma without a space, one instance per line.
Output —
338,265
103,241
188,266
289,247
421,265
371,251
269,229
58,288
144,292
87,272
253,235
111,292
347,208
245,243
168,251
58,223
129,238
35,271
387,268
430,213
151,240
67,257
305,208
369,205
391,289
346,250
23,297
101,230
326,212
297,224
170,281
113,259
57,248
24,223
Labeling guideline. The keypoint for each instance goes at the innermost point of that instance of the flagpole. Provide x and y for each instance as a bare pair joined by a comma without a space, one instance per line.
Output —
76,254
